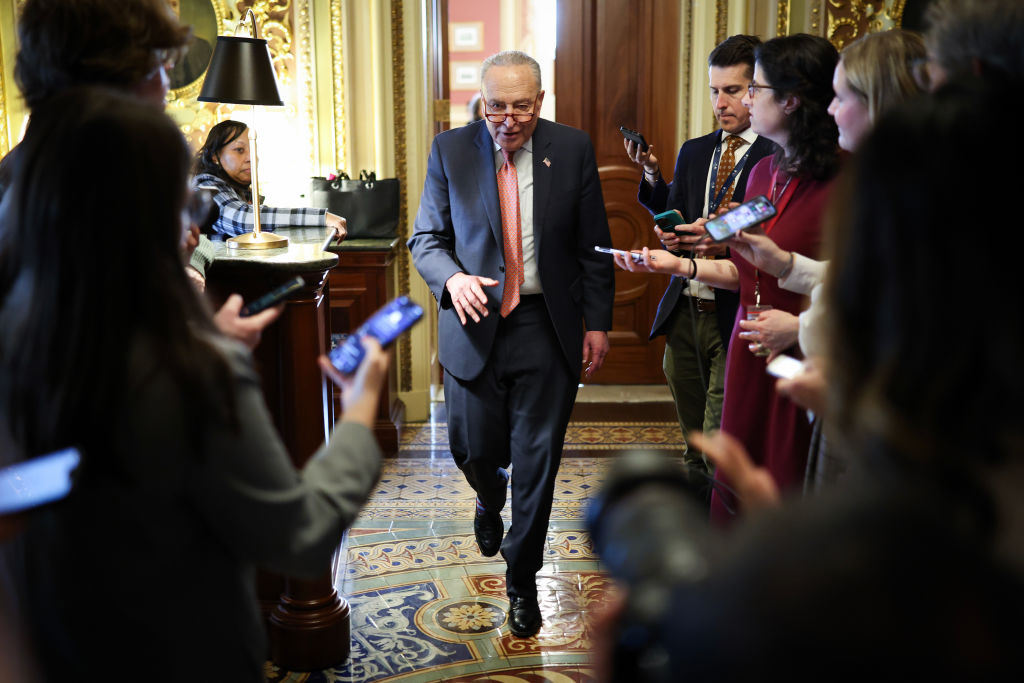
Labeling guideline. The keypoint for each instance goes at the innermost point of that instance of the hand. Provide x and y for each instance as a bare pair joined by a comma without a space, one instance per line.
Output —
196,278
189,241
595,348
360,391
754,485
642,158
605,633
246,330
657,261
337,223
467,294
760,250
807,389
774,330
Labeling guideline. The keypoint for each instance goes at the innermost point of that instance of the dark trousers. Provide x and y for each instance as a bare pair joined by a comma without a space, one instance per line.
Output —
515,413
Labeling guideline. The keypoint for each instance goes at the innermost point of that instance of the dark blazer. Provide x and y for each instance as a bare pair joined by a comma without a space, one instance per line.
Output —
458,228
687,195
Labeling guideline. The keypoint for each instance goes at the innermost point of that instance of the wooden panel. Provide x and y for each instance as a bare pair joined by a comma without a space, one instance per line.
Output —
617,65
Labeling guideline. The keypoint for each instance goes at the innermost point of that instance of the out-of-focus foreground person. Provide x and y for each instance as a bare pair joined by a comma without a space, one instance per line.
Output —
184,486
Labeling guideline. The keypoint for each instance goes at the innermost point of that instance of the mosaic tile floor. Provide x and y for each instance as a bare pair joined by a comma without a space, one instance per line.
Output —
426,606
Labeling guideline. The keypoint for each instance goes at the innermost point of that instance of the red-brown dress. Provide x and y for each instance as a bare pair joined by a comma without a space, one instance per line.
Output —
774,430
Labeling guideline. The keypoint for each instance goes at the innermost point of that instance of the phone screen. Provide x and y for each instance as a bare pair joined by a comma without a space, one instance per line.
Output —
785,367
746,215
385,325
37,481
637,258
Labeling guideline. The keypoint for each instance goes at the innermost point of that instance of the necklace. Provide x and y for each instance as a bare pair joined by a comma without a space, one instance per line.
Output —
775,198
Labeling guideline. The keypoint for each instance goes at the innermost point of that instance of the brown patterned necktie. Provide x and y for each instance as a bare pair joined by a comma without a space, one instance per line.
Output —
511,230
733,143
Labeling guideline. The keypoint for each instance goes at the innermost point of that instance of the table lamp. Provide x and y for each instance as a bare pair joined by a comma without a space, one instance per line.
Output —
241,72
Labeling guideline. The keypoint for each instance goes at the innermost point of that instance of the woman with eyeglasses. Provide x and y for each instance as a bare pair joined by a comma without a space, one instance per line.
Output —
222,165
788,101
874,73
184,486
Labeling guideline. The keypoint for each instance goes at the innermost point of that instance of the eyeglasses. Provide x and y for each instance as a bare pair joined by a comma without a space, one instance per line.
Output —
517,114
753,88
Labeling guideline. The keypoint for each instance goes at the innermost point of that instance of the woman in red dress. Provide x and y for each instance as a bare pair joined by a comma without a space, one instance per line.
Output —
788,101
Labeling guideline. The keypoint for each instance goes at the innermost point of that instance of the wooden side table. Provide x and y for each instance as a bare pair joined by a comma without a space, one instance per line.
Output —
307,621
359,285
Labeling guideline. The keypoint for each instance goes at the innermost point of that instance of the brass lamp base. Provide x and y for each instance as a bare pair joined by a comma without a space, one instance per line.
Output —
260,240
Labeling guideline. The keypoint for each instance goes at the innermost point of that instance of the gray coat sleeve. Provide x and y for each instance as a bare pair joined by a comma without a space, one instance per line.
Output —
265,510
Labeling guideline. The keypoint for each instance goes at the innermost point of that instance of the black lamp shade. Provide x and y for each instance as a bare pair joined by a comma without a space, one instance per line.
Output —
241,72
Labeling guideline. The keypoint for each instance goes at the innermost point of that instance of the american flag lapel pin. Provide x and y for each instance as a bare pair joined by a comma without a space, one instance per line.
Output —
547,162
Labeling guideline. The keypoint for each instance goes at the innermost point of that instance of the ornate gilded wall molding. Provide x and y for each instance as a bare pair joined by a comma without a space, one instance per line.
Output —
782,18
304,69
721,20
338,74
401,172
5,138
850,19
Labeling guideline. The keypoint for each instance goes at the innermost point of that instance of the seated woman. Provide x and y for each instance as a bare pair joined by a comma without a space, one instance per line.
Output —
223,165
184,486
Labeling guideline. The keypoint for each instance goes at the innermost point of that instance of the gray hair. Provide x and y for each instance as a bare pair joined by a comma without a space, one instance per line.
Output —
989,31
511,58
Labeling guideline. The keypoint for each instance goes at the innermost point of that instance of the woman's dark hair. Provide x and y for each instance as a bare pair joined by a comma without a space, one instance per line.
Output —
98,166
802,65
923,361
92,42
219,137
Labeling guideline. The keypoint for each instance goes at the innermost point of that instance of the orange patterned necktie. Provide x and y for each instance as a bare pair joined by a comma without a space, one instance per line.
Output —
732,143
512,234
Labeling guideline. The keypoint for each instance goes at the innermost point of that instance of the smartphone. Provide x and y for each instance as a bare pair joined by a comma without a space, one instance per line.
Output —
635,136
668,220
37,481
785,367
394,318
273,296
637,258
746,215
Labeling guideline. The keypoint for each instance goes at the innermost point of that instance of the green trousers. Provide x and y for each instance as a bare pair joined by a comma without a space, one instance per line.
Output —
697,408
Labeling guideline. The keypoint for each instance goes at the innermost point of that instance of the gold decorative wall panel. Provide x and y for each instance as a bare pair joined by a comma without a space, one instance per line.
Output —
850,19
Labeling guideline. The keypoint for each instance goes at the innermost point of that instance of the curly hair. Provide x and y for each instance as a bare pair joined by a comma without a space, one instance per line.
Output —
112,43
801,66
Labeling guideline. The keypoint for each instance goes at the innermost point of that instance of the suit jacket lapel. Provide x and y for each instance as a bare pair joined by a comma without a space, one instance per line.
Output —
541,184
698,180
487,182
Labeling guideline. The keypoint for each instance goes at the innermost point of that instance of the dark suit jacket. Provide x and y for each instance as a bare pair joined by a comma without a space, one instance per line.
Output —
458,228
687,195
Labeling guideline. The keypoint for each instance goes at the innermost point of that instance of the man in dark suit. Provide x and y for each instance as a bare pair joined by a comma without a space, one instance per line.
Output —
710,172
510,213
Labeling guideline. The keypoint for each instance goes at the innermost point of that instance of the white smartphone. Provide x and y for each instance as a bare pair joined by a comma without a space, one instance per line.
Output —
637,258
785,367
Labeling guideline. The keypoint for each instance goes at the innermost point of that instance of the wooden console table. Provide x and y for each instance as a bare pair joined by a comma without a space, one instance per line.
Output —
307,621
360,285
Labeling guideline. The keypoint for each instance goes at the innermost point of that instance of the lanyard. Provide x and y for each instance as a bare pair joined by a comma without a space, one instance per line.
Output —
714,201
780,203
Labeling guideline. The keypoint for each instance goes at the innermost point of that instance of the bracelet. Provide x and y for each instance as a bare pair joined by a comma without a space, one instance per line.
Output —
693,265
789,266
654,175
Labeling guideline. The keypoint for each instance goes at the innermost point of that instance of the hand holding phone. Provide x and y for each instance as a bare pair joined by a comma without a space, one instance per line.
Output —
668,220
273,297
385,325
634,136
636,256
746,215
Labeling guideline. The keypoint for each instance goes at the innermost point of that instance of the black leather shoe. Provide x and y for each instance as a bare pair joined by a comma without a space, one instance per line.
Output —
489,529
524,616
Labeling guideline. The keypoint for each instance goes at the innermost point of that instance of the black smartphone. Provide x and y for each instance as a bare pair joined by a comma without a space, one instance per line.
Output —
746,215
38,481
668,220
635,136
394,318
273,296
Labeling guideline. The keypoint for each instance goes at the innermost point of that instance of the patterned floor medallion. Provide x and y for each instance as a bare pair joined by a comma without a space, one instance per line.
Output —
427,606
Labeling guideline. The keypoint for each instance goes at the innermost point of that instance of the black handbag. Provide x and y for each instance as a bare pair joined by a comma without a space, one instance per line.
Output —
370,206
